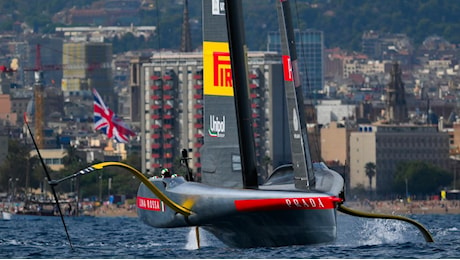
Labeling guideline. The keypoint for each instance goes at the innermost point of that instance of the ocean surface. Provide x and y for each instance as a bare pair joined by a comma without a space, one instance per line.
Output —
122,237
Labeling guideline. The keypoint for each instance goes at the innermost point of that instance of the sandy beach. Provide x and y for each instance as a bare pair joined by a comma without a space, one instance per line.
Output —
115,211
402,207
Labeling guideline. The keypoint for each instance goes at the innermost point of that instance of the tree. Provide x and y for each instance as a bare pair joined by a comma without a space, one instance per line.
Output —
370,172
72,157
19,165
423,178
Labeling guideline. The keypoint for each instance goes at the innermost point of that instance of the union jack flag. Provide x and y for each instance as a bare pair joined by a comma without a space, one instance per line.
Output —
106,121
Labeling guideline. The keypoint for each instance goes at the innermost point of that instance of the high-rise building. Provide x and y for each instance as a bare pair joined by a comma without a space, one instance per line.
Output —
88,65
310,48
170,93
371,44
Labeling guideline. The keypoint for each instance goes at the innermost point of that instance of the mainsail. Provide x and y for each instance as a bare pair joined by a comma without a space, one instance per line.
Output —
220,155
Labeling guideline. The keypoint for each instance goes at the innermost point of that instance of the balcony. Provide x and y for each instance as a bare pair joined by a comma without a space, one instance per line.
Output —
155,87
197,76
167,87
155,107
253,86
156,116
167,116
155,146
198,125
167,77
167,97
198,164
198,106
197,86
156,97
155,77
197,116
167,146
168,136
198,135
155,136
197,145
197,96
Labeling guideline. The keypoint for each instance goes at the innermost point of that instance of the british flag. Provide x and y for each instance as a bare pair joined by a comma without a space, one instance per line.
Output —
106,121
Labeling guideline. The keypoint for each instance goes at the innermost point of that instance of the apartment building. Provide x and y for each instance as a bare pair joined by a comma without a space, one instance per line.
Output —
167,90
388,145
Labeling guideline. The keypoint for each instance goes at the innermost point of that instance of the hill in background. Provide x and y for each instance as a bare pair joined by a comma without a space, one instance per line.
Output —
342,21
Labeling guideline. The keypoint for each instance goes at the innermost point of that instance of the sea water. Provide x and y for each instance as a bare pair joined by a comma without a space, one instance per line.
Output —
122,237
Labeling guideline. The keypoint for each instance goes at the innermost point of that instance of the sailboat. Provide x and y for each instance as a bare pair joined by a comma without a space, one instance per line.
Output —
6,215
299,211
296,205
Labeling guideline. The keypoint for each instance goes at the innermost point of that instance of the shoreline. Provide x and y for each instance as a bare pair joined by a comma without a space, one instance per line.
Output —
392,207
114,211
401,207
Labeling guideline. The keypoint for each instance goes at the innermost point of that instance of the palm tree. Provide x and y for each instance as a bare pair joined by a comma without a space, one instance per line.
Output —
370,172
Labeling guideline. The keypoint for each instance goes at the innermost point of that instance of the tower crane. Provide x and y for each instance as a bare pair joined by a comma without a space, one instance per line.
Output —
39,95
39,90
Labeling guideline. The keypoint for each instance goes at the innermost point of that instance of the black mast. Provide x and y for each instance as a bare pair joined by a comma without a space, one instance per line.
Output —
237,45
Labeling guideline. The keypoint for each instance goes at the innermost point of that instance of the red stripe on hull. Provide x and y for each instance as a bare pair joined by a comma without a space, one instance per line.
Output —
287,203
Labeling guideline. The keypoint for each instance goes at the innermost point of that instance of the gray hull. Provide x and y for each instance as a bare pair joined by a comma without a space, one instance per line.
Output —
276,228
274,215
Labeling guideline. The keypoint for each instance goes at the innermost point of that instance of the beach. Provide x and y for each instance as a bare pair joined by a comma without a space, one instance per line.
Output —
396,207
403,207
125,210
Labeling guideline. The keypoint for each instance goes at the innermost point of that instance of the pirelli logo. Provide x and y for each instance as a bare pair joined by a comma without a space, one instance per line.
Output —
217,67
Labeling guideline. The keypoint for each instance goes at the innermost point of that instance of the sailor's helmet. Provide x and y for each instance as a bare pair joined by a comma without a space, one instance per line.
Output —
165,172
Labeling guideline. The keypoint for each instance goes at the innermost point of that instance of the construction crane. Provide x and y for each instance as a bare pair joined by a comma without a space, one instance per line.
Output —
39,107
39,91
39,96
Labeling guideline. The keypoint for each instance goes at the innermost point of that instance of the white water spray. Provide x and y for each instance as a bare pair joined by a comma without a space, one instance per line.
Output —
192,239
382,231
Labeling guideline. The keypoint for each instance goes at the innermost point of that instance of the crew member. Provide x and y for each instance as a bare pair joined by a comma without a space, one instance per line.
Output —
165,173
